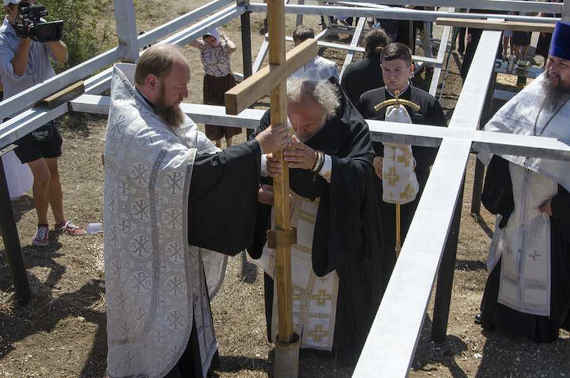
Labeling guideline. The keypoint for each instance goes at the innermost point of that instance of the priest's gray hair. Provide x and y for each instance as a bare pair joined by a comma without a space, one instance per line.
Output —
323,92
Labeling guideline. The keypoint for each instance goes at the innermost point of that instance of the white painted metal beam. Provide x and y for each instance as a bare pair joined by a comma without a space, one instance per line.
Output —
381,131
199,113
483,141
196,30
94,85
186,19
126,30
27,98
435,62
396,13
26,122
261,55
392,340
499,5
30,96
440,56
353,43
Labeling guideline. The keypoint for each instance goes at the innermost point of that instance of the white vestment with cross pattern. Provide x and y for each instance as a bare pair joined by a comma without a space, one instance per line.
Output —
314,298
156,290
523,245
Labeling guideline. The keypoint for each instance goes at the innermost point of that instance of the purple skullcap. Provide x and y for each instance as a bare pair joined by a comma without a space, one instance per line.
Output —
560,45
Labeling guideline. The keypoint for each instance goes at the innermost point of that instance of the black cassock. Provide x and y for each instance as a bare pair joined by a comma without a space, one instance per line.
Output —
347,236
498,199
430,113
223,199
362,76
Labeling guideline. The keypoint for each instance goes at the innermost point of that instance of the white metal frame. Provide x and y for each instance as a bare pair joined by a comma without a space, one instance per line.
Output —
393,337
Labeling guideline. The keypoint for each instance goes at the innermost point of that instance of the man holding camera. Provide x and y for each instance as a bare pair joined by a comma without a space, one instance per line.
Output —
24,62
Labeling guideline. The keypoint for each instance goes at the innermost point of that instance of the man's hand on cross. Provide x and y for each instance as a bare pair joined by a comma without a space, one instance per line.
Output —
273,139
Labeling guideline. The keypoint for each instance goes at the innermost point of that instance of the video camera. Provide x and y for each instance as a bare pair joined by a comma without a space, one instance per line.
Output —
29,23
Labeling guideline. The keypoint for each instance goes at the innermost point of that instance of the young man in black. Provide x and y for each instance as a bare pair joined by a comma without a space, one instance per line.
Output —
397,70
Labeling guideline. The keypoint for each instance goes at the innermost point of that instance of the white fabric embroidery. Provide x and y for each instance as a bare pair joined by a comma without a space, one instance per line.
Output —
155,283
518,116
317,69
524,245
314,298
399,182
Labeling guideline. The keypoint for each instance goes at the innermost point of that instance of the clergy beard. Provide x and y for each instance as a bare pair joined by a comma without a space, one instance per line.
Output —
555,92
171,115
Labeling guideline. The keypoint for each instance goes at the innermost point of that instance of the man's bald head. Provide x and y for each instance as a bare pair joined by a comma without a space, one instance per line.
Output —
158,61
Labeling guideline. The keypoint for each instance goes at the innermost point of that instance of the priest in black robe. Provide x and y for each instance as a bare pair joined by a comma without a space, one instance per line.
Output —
331,161
364,75
398,69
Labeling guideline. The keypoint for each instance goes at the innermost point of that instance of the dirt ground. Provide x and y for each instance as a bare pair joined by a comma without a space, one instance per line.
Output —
61,333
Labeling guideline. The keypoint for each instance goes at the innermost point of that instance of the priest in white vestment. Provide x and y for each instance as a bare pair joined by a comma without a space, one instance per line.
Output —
528,290
168,193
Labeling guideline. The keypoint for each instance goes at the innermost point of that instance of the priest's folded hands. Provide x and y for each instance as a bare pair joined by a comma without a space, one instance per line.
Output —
299,155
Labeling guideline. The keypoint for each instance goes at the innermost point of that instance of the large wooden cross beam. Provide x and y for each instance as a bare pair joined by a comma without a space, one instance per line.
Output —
272,79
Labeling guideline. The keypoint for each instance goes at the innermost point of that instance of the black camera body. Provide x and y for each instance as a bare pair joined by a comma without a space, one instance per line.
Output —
29,23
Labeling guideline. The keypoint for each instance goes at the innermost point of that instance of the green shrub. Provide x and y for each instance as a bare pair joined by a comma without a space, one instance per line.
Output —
79,31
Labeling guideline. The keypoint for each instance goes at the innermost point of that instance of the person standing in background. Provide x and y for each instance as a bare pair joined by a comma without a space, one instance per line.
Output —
215,50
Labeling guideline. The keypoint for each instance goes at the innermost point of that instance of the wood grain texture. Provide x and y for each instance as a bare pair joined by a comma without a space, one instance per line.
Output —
496,24
266,79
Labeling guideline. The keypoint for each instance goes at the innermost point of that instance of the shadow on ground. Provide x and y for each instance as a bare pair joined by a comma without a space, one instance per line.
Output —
429,352
45,309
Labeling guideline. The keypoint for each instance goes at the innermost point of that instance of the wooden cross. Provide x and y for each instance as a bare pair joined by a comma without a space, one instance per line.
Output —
272,79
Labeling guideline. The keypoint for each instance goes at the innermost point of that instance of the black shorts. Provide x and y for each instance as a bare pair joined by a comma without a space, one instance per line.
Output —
44,142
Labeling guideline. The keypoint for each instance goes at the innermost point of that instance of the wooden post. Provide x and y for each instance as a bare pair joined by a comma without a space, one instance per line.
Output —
272,80
12,241
276,26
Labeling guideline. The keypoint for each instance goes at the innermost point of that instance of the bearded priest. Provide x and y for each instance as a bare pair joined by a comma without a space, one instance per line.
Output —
528,290
168,193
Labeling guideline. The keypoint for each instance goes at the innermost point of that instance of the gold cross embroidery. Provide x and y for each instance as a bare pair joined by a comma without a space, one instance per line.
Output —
392,177
405,158
318,333
298,293
322,297
408,193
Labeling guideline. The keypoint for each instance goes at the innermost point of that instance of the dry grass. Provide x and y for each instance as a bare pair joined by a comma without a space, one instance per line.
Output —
61,333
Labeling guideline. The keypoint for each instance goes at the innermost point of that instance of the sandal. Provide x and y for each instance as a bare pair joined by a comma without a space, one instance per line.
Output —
69,229
41,238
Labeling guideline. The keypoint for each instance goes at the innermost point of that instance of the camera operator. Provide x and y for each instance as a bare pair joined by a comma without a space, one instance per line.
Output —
24,62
